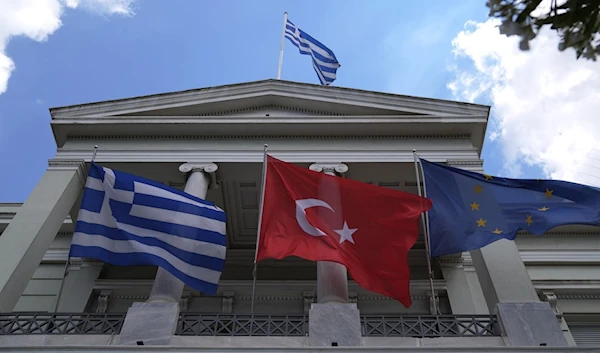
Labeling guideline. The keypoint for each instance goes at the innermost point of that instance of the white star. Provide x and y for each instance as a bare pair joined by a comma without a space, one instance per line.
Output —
346,233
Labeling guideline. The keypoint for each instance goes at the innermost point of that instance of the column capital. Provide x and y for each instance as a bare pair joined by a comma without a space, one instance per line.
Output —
339,168
208,168
198,167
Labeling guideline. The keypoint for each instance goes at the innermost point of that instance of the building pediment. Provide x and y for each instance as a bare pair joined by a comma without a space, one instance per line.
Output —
269,107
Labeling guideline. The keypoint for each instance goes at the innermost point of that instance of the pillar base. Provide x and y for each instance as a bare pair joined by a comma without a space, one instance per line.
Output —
530,324
150,324
334,324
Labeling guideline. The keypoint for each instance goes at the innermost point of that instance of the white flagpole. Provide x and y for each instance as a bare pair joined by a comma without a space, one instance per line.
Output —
66,270
425,231
260,212
282,43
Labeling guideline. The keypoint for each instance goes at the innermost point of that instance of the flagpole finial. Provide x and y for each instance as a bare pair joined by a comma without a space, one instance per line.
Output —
94,154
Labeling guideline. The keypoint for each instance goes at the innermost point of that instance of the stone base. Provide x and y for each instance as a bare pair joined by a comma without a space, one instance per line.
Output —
150,324
530,324
334,324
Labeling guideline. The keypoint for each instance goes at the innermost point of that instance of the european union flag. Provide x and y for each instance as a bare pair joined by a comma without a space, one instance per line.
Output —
471,210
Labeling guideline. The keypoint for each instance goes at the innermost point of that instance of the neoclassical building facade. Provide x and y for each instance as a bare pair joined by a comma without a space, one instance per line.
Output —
50,300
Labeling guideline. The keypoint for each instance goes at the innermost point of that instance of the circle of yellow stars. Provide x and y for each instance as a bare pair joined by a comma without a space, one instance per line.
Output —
483,223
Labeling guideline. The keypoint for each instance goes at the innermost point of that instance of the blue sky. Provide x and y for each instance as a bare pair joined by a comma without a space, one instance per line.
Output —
392,46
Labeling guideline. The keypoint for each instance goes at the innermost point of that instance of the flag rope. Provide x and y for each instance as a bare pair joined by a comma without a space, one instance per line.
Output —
260,214
425,222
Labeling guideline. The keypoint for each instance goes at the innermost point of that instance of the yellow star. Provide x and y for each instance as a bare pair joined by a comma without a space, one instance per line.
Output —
497,231
481,222
548,193
543,209
478,188
529,220
488,177
474,206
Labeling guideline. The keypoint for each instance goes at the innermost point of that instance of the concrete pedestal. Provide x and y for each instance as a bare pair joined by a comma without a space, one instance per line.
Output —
530,324
334,324
150,324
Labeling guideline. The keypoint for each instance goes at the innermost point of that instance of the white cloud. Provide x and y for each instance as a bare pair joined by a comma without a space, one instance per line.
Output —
37,19
545,103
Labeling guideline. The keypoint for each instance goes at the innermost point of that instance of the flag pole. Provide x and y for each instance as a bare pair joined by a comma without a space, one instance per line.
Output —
66,269
425,223
260,212
285,14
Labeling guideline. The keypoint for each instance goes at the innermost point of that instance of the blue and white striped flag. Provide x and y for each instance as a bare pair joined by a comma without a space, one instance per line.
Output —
323,59
127,220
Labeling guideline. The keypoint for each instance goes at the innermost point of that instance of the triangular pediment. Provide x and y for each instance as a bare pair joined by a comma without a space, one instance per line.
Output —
270,108
270,97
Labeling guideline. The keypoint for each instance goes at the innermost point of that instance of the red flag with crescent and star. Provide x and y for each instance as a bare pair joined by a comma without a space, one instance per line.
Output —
319,217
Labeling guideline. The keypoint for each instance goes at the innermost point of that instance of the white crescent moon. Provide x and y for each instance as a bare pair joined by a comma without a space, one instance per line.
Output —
301,206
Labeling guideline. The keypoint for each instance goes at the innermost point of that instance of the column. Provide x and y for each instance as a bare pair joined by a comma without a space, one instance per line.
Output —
332,278
154,322
457,286
167,287
78,285
509,292
333,321
34,227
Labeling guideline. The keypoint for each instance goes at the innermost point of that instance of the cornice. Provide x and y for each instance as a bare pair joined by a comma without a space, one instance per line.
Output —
273,137
249,90
197,120
249,156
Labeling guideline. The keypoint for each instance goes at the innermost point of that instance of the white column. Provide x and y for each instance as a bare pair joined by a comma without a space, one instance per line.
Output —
332,278
78,286
34,227
167,287
465,297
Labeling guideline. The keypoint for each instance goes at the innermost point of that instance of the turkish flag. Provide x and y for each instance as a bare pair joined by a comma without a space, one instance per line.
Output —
319,217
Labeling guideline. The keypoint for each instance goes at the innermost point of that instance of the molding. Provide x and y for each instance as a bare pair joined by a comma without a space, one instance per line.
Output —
270,106
417,286
579,296
77,164
465,162
557,256
161,120
550,257
272,88
246,156
564,285
274,137
295,345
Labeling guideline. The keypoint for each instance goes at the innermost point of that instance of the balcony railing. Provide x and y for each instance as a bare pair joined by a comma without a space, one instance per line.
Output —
61,324
191,324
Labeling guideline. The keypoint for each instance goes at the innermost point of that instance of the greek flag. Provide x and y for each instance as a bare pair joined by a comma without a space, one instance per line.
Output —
127,220
323,59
